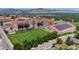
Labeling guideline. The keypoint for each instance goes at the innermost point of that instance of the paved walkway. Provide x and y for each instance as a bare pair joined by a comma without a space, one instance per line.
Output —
5,43
2,45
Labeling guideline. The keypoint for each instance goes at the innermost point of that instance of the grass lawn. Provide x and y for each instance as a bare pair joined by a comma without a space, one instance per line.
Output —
19,37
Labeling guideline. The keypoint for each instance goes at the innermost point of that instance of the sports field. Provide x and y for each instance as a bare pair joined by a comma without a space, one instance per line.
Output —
31,35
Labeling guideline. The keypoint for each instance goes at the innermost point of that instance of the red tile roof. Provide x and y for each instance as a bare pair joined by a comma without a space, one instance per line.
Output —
2,17
30,20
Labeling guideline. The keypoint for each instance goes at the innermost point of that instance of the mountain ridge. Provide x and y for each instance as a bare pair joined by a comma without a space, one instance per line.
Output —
38,10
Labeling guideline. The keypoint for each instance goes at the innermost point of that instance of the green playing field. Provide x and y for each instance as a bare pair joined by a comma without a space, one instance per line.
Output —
31,35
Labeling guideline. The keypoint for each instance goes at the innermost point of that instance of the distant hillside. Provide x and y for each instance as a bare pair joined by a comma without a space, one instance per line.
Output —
10,11
41,10
37,10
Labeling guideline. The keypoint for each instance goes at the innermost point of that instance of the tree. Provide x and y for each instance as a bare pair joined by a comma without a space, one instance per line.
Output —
13,17
45,38
68,39
59,41
39,40
69,42
27,45
54,35
26,25
6,31
77,35
11,28
17,46
60,48
1,23
34,43
20,26
77,27
40,24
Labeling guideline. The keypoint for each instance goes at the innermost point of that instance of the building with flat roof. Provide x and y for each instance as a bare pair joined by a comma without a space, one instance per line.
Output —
62,28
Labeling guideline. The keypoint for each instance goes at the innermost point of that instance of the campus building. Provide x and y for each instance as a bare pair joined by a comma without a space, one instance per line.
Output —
14,23
62,28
